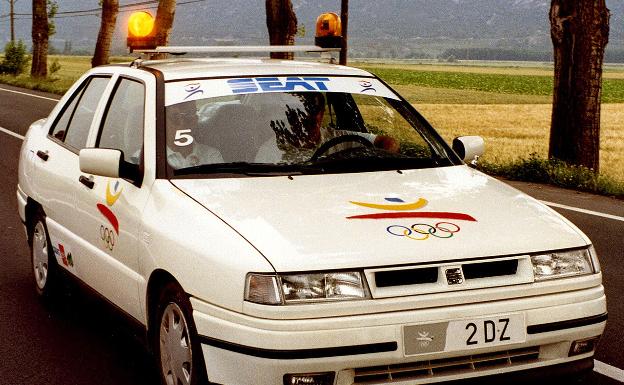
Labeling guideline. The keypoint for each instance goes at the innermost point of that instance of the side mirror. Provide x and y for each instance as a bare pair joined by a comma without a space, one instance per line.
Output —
101,161
469,148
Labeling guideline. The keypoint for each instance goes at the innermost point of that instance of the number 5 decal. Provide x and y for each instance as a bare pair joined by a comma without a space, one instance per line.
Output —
182,138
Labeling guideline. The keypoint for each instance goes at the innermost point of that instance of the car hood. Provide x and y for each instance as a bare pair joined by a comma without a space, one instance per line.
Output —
318,222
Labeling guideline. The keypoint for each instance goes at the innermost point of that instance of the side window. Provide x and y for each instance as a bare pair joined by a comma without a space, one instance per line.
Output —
60,128
73,125
123,123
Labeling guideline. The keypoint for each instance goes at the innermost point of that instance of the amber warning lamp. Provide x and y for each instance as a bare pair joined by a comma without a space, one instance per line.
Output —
141,31
328,31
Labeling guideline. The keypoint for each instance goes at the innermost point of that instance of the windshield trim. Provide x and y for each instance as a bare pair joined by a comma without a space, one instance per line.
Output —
273,75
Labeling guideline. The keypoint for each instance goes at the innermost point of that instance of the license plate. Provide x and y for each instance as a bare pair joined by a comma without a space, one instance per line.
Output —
464,334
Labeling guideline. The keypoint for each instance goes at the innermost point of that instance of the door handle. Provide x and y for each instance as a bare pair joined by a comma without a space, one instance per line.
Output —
89,182
43,155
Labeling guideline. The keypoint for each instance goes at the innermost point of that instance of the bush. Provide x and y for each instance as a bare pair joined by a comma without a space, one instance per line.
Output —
55,67
15,58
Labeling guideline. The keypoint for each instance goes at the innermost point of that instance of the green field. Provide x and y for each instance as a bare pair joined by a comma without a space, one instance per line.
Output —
487,80
419,83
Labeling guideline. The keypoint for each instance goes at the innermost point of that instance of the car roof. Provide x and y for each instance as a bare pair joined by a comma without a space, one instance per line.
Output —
190,68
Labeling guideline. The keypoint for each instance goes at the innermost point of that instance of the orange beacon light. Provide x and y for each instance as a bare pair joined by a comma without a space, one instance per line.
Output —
141,31
328,31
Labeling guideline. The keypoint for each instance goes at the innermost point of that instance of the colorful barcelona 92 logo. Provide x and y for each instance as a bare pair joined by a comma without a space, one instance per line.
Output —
399,209
107,234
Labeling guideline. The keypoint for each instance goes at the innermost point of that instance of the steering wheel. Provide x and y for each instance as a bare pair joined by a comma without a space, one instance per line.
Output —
333,142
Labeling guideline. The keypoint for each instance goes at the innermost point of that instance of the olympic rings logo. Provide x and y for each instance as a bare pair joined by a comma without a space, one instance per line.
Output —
423,231
108,237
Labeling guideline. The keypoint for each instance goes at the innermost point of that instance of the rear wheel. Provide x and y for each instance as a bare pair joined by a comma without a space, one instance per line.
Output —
176,344
42,257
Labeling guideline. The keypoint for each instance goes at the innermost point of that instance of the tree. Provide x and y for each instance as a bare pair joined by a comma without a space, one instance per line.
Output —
580,32
40,34
15,58
164,23
282,25
110,9
42,29
52,8
67,49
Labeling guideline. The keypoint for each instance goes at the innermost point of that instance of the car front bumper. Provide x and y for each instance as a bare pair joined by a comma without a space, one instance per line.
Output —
244,350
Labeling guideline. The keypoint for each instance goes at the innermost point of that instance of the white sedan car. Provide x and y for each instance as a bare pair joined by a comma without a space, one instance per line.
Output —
283,222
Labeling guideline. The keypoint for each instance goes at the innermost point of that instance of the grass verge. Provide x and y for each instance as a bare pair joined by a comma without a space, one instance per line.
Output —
72,67
555,172
55,85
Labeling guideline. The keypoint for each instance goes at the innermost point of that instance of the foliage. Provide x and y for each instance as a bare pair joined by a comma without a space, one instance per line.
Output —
301,30
67,48
556,172
15,58
52,7
55,66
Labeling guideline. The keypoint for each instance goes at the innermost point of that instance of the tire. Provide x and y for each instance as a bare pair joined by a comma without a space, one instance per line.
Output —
43,263
177,350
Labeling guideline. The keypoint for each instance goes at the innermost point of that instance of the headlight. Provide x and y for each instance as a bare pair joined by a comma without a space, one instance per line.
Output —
562,264
304,288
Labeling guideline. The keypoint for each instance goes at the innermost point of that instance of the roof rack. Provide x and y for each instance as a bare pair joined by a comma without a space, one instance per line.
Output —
181,50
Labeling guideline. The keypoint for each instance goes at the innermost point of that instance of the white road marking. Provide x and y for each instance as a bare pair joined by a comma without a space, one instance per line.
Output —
584,211
27,94
609,371
13,134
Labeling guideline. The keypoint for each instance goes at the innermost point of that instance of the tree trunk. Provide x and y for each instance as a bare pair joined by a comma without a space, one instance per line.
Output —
580,32
164,23
282,25
40,30
344,19
110,9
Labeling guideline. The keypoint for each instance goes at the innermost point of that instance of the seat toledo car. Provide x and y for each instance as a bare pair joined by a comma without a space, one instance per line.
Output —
284,222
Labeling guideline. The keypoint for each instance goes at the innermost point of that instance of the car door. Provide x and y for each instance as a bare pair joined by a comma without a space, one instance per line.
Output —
57,172
112,207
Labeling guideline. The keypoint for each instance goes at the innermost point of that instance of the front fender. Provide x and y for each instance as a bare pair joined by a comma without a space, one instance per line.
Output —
206,256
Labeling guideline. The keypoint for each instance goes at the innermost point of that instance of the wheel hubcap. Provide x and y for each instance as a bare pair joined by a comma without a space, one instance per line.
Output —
175,347
40,255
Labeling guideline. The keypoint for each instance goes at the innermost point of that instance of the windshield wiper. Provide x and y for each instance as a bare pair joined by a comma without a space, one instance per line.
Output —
250,169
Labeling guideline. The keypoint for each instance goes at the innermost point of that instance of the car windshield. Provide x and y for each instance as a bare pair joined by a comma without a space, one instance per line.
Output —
267,133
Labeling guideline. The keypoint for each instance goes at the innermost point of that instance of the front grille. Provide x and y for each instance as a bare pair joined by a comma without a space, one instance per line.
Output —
434,368
431,275
406,277
490,269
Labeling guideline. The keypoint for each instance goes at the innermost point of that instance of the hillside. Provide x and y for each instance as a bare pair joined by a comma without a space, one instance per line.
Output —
394,28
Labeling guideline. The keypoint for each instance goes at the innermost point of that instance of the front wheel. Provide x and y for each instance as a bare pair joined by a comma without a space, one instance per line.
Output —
178,351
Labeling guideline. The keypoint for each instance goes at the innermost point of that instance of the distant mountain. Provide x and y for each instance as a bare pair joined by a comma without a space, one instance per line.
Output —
398,28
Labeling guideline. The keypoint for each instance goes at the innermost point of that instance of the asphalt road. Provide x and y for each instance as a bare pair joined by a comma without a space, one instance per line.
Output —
79,340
